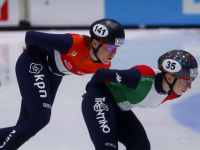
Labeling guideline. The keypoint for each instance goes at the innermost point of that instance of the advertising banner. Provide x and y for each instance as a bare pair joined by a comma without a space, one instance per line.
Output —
9,13
154,12
65,12
4,10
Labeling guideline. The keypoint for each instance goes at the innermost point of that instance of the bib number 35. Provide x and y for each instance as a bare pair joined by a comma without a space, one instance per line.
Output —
171,65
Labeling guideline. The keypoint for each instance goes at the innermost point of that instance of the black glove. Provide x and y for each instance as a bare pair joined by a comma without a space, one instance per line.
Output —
87,87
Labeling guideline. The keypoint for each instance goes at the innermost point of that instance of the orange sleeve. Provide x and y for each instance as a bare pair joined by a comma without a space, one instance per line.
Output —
90,67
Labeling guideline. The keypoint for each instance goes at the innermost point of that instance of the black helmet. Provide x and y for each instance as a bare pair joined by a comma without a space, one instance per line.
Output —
108,31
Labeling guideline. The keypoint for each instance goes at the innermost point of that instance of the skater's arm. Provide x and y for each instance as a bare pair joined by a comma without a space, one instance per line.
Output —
60,42
130,77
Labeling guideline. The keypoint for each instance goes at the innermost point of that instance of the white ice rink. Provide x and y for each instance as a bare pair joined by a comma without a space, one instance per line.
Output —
174,125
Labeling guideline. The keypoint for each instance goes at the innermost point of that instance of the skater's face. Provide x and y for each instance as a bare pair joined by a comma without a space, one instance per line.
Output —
181,85
106,52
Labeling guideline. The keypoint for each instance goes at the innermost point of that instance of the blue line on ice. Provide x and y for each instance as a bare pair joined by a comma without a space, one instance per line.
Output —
187,112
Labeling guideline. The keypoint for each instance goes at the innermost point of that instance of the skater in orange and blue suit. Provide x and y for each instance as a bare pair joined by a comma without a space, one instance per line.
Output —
40,68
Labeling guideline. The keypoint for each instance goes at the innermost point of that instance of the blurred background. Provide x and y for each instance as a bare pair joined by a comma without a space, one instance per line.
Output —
152,27
65,14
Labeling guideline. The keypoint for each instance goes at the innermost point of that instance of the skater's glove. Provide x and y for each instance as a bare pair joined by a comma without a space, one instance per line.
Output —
83,95
87,87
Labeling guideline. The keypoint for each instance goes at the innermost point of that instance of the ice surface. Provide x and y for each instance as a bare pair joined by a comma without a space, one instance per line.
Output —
166,125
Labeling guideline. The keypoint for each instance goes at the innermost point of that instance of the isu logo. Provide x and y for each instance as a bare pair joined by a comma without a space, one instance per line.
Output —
3,10
194,72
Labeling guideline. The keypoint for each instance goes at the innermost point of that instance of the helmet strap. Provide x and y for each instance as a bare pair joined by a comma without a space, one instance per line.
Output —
171,85
95,54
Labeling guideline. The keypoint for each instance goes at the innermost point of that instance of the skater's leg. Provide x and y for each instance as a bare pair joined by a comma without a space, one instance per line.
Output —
54,84
33,80
131,132
99,116
24,114
4,132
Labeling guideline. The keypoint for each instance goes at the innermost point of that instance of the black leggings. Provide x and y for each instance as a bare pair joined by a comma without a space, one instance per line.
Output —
38,87
108,124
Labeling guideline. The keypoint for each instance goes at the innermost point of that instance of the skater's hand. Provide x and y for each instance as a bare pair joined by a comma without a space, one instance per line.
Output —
83,95
24,48
87,87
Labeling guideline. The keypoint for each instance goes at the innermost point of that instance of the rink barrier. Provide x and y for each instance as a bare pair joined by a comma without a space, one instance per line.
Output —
62,14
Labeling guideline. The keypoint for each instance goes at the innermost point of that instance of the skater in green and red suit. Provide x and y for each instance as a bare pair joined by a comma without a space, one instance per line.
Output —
111,94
